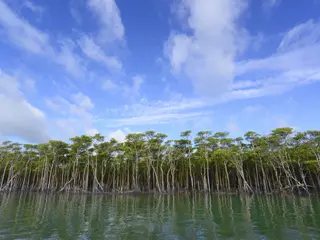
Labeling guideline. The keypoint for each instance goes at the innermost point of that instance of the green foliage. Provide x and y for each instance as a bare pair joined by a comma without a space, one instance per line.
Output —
283,160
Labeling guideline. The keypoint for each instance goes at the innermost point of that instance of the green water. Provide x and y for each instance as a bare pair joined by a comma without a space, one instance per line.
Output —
34,216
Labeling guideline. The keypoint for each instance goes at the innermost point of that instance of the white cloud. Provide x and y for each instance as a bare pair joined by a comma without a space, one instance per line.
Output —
161,112
75,12
92,131
260,118
286,69
72,118
154,119
67,127
65,107
276,84
289,60
134,89
156,112
82,100
33,40
109,85
108,14
191,54
178,47
295,63
300,41
69,60
300,36
76,15
33,7
251,109
232,127
271,3
93,51
207,55
245,84
18,117
37,42
128,90
118,135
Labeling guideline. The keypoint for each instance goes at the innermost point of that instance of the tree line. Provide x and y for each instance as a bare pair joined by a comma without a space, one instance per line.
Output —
281,161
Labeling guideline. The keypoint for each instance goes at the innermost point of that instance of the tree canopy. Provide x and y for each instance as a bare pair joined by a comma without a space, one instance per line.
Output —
282,161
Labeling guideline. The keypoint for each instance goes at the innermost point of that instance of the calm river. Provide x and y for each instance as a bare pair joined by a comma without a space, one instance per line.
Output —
36,216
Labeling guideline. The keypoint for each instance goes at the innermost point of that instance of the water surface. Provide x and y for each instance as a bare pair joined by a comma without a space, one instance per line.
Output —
200,216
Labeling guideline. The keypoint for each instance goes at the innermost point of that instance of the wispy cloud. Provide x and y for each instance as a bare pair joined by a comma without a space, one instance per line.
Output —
37,42
33,7
109,85
153,113
75,12
33,40
129,90
64,51
294,63
71,61
72,116
134,89
301,36
268,4
95,52
108,14
82,100
153,119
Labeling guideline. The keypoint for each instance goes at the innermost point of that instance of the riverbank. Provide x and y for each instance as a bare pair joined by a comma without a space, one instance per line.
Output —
155,192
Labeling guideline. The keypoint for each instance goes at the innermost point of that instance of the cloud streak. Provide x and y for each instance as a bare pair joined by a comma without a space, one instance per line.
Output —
95,52
37,42
34,7
108,14
155,119
295,63
72,116
128,90
33,40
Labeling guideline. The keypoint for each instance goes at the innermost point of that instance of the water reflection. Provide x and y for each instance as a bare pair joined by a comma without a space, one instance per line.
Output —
194,216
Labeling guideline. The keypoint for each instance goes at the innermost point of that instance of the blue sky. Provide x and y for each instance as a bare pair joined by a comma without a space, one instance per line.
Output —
117,67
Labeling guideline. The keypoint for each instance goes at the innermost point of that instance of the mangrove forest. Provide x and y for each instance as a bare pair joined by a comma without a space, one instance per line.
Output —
282,161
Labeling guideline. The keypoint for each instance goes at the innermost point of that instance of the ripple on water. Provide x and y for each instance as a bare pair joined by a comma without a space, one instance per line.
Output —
159,217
